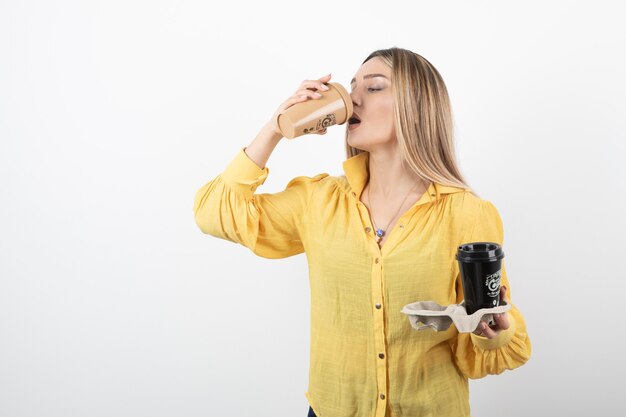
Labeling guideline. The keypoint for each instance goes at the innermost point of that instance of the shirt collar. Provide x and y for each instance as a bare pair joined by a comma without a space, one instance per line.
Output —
356,169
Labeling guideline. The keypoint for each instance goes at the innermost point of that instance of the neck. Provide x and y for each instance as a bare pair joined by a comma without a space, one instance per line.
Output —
388,176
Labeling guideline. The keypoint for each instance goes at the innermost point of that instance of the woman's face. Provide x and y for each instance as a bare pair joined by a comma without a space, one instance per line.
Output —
373,104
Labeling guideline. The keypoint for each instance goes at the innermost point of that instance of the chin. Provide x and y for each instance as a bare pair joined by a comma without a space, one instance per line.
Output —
356,144
367,144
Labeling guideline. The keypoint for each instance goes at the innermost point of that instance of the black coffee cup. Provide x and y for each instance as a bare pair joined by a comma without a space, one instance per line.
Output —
480,264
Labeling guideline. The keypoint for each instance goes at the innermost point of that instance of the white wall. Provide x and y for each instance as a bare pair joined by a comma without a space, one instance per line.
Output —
113,114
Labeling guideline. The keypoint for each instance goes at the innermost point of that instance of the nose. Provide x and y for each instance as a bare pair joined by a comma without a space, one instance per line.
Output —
355,99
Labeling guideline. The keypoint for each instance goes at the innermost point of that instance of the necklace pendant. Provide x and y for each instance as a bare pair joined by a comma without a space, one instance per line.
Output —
380,233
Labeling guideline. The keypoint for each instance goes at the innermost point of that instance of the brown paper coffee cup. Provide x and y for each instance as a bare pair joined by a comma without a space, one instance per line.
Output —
315,114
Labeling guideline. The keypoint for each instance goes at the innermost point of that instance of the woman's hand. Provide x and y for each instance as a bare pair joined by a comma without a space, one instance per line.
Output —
502,321
307,89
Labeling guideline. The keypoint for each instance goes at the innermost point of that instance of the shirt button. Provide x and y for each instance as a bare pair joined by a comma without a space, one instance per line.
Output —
367,229
401,226
433,195
382,396
381,355
378,306
353,193
376,260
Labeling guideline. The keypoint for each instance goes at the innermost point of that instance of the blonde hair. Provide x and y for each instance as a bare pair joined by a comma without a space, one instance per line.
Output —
422,118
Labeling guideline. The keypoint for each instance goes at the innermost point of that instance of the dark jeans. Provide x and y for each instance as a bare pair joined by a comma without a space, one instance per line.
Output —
311,413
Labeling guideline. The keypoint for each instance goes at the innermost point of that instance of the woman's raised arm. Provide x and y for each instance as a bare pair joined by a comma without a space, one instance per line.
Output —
270,225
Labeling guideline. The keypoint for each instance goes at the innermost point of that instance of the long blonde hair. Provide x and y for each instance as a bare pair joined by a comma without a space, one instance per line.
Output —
422,118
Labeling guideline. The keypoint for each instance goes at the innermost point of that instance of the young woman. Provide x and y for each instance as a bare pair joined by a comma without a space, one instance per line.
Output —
379,237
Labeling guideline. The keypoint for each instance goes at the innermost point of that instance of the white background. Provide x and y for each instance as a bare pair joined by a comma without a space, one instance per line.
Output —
113,113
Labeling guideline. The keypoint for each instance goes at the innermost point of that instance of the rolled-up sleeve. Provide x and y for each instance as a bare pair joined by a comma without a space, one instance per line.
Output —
270,225
477,356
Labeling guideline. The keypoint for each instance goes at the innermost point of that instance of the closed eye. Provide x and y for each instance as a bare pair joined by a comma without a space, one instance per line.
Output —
369,89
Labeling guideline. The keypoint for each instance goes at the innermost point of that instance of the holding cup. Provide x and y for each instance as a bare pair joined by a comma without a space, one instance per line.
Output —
480,265
334,107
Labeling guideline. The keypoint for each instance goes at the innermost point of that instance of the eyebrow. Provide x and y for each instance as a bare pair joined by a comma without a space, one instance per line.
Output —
368,76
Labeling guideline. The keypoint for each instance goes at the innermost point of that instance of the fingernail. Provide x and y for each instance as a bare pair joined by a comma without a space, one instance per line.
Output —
317,94
324,87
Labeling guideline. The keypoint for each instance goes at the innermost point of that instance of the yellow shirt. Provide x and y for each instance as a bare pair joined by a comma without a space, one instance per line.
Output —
365,358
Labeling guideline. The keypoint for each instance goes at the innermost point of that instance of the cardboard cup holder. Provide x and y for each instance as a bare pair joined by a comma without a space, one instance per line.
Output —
431,315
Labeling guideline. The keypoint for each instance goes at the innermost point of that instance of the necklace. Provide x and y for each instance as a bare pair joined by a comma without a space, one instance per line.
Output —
381,232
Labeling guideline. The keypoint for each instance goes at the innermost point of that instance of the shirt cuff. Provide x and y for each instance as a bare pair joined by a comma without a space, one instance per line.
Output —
500,340
244,175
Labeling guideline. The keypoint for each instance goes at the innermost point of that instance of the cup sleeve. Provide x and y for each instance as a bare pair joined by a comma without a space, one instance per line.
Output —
270,225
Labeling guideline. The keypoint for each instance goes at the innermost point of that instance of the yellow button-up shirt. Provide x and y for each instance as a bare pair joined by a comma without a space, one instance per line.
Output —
365,358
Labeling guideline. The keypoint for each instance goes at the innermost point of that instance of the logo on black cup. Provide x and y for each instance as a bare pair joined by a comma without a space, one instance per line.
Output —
493,283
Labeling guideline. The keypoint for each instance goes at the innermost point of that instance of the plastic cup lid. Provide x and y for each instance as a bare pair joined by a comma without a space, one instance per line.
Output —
479,252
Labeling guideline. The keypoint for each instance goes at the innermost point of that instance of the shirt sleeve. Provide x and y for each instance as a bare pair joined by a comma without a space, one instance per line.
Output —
477,356
268,224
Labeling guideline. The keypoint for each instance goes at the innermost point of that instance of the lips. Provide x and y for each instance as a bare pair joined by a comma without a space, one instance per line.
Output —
355,119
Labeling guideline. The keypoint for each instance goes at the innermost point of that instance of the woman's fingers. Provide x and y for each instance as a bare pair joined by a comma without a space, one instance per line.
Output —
502,323
307,93
480,329
291,101
502,320
308,89
487,331
504,294
315,85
